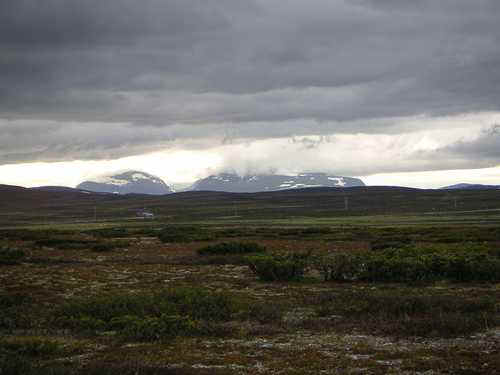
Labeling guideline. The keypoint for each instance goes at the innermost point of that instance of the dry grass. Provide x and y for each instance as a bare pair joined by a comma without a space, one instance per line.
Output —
273,328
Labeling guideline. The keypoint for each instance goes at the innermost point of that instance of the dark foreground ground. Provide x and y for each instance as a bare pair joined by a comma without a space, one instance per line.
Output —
280,298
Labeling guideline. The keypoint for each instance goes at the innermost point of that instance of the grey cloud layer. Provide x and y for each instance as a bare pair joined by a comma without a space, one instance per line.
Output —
482,152
241,68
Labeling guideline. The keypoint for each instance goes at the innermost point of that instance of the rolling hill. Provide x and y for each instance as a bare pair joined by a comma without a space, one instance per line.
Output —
20,205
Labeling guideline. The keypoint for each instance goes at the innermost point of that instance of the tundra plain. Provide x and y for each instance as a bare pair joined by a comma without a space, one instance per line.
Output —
222,292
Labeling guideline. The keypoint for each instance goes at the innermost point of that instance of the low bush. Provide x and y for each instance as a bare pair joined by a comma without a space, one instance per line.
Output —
184,233
467,263
223,259
109,232
404,313
11,364
339,267
301,232
173,312
383,244
156,328
19,355
25,234
79,242
232,248
102,247
288,267
310,231
236,232
65,242
13,300
265,313
11,256
29,346
12,308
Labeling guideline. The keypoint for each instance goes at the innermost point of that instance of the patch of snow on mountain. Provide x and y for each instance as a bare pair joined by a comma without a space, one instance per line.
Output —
110,180
140,176
339,181
298,186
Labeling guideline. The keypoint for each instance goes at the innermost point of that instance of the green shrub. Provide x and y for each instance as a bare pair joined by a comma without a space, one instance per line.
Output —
340,266
265,313
309,231
382,244
12,308
19,354
156,328
24,234
184,233
413,264
403,313
29,346
11,364
301,232
102,247
173,312
232,248
200,303
95,312
65,242
234,259
109,232
288,267
11,256
13,300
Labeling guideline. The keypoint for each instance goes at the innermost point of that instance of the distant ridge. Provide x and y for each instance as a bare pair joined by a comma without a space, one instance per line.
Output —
20,205
231,182
58,189
470,187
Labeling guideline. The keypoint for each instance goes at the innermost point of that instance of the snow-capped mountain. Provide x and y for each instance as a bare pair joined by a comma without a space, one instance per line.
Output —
231,182
127,183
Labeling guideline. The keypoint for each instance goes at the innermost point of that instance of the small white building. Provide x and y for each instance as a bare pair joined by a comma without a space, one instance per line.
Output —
144,214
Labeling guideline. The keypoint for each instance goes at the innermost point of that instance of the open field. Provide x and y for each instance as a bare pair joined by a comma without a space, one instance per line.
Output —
295,295
403,281
20,206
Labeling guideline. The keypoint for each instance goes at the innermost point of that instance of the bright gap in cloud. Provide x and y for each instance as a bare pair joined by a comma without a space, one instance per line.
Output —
384,159
436,179
173,166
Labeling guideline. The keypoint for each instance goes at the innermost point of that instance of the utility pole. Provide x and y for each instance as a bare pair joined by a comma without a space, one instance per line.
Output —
95,214
346,203
455,201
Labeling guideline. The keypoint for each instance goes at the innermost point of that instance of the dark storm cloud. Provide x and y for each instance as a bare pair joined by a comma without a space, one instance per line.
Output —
234,68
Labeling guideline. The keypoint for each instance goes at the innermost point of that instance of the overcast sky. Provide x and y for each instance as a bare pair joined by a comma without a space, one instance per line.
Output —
396,91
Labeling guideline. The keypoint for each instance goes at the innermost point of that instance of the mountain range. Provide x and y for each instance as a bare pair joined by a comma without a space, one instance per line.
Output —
135,182
234,183
129,182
